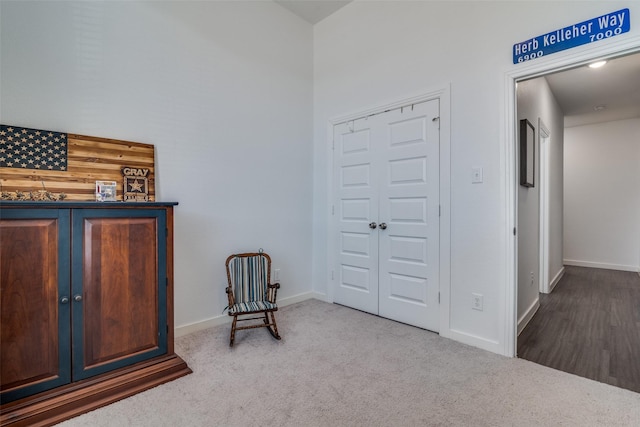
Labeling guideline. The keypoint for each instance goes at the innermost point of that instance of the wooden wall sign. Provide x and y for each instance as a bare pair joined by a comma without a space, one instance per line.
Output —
88,159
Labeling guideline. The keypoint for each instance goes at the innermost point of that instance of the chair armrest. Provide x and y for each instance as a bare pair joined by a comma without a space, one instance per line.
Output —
230,296
272,292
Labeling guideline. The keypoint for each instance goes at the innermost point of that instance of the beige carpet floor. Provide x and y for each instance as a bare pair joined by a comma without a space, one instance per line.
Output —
340,367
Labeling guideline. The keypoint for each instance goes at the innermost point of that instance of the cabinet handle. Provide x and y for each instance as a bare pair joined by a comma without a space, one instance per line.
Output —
64,300
77,298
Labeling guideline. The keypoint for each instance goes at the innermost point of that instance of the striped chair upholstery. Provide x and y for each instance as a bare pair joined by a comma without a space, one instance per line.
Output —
250,291
249,276
252,307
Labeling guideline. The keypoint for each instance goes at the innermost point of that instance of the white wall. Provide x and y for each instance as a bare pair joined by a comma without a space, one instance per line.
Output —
371,53
229,93
602,195
224,92
536,101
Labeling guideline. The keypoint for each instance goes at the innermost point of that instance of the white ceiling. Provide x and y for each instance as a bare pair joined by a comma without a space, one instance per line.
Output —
312,11
615,86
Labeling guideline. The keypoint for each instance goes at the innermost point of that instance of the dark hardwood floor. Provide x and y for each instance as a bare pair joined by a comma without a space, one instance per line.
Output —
589,326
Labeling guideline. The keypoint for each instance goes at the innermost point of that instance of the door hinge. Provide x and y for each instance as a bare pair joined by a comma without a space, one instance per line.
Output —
438,297
332,273
166,281
514,231
167,328
436,119
439,210
333,144
333,209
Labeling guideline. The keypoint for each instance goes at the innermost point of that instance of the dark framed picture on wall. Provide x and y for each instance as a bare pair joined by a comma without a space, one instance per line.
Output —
527,153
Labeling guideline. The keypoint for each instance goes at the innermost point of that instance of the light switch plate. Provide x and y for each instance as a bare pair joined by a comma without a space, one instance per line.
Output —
476,175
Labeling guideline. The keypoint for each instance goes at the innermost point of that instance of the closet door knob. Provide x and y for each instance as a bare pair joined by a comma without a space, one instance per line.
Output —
383,225
64,300
372,225
77,298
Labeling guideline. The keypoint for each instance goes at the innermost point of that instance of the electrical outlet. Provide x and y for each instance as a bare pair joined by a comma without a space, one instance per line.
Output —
477,302
276,275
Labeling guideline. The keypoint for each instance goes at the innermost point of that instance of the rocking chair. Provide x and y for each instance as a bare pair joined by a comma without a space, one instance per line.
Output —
251,292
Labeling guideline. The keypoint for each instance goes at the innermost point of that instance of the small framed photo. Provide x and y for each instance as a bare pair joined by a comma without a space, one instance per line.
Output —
105,191
527,153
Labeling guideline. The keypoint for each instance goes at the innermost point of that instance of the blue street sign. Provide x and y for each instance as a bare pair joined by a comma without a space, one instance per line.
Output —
600,28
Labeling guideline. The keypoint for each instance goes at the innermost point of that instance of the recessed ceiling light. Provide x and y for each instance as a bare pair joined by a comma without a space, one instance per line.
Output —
597,64
599,107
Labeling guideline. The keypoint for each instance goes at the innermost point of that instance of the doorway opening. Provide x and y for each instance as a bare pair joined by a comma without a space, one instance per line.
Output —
545,157
541,212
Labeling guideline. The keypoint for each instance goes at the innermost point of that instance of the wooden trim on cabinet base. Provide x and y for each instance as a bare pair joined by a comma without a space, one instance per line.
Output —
54,406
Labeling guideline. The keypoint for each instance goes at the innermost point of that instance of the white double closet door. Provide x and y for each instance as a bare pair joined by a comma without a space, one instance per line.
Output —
386,212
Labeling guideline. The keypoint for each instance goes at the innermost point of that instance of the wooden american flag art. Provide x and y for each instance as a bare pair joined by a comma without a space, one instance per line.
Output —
32,148
35,160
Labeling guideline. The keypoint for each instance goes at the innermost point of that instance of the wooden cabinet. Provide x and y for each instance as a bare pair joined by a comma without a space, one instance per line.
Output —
86,306
34,323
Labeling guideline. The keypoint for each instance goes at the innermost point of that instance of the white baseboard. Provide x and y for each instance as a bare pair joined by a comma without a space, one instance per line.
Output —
524,320
556,279
473,340
606,266
221,319
320,297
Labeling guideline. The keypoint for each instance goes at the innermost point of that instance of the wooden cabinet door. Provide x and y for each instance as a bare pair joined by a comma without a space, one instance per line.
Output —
34,301
119,288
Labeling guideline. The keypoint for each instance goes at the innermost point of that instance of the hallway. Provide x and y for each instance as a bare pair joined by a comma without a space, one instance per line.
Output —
589,326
